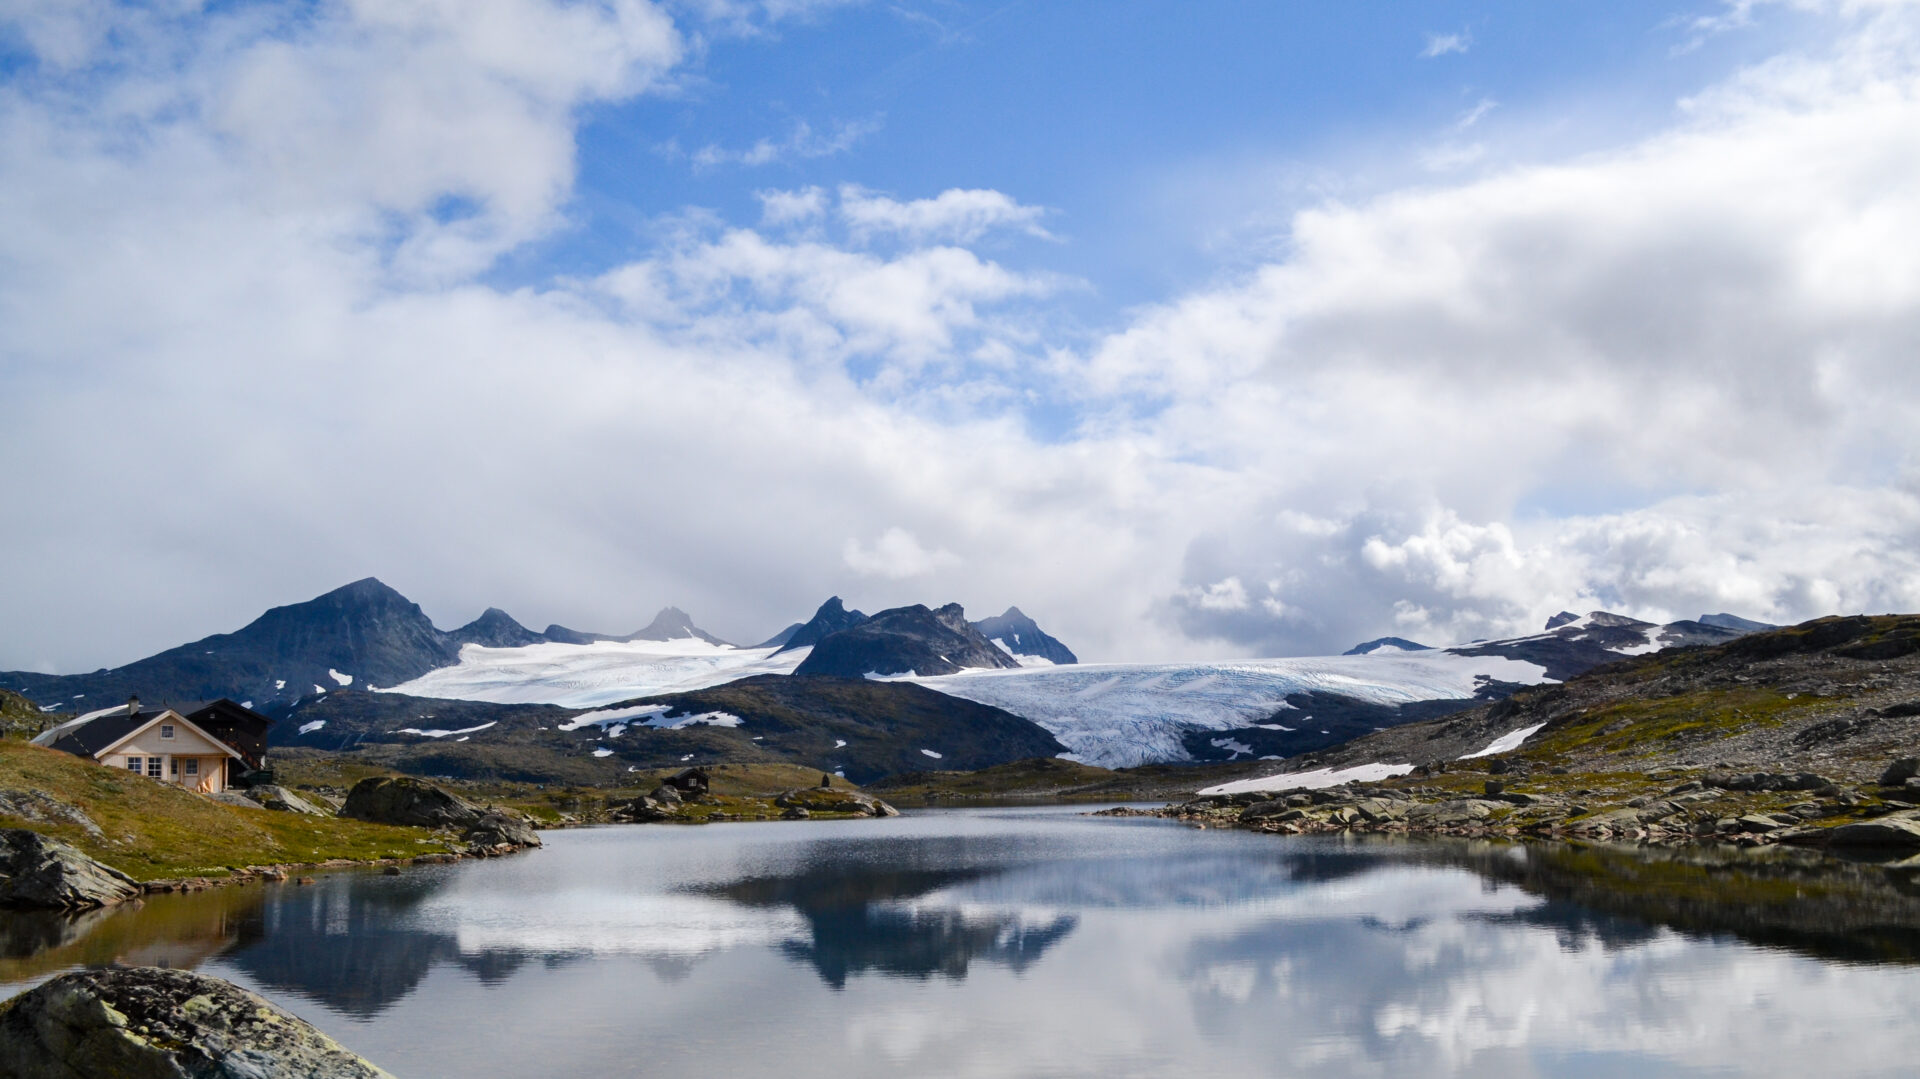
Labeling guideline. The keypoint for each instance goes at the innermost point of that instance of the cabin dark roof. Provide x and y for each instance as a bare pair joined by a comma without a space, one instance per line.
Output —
89,738
96,734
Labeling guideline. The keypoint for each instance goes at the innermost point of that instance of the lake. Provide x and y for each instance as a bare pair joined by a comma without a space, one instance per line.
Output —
1044,942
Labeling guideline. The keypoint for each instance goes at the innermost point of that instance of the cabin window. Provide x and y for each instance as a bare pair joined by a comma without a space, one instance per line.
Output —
174,766
134,764
193,766
166,730
153,767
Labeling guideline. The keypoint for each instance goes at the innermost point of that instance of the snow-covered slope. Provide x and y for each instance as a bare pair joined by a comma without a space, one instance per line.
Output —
1122,715
587,675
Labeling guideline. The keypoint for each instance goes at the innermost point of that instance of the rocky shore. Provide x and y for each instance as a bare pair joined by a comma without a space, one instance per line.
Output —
1669,806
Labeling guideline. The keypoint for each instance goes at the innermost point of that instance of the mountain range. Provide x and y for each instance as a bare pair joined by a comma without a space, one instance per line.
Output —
366,635
313,664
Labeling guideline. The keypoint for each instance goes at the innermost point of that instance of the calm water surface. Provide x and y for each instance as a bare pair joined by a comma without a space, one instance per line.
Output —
1003,943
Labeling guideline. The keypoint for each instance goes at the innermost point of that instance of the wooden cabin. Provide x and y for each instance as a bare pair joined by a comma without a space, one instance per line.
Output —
164,745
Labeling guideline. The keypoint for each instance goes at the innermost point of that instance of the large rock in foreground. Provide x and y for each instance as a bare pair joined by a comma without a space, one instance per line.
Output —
409,802
416,803
37,871
148,1023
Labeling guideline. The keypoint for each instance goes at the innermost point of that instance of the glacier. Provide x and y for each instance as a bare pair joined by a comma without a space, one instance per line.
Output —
1124,715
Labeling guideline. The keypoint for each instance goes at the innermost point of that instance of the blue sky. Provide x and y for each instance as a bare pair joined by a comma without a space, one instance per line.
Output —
1168,141
1195,330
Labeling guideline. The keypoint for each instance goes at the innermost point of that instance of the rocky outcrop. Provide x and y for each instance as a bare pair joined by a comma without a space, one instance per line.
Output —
39,871
42,808
148,1023
415,803
823,800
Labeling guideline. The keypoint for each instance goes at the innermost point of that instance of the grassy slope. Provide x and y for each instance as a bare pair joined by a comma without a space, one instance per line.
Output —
153,831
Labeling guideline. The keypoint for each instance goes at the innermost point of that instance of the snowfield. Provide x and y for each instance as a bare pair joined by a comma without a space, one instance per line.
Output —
1314,780
1506,743
588,675
1123,715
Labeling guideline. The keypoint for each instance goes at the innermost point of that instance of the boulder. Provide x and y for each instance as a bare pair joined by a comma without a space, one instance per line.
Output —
270,796
1260,811
1887,833
407,801
1900,771
498,828
415,803
39,871
148,1023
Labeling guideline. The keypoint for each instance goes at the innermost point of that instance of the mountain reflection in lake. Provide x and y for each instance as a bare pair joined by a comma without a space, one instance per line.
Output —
1043,942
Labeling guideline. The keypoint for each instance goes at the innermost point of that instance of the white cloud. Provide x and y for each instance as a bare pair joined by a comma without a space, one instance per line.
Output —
1671,377
791,207
896,555
956,215
801,143
1443,44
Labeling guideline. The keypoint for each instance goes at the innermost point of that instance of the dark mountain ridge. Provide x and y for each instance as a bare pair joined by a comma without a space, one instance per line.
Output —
904,640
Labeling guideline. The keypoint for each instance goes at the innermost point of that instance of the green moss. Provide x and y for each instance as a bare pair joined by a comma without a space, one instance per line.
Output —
1643,727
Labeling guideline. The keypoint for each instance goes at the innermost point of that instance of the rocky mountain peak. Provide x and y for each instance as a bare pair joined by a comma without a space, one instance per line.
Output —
1021,636
1387,644
496,628
673,624
831,618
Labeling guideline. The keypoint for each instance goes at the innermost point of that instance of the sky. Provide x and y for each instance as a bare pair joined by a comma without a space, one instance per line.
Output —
1195,330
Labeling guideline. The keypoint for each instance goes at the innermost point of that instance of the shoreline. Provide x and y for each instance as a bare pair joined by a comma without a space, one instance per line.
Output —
1750,810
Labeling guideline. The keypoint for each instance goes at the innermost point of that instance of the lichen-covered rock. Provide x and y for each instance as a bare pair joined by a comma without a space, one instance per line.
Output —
148,1023
410,802
39,871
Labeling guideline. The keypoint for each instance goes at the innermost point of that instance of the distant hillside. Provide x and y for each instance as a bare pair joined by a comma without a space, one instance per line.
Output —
1836,696
861,728
905,640
18,715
